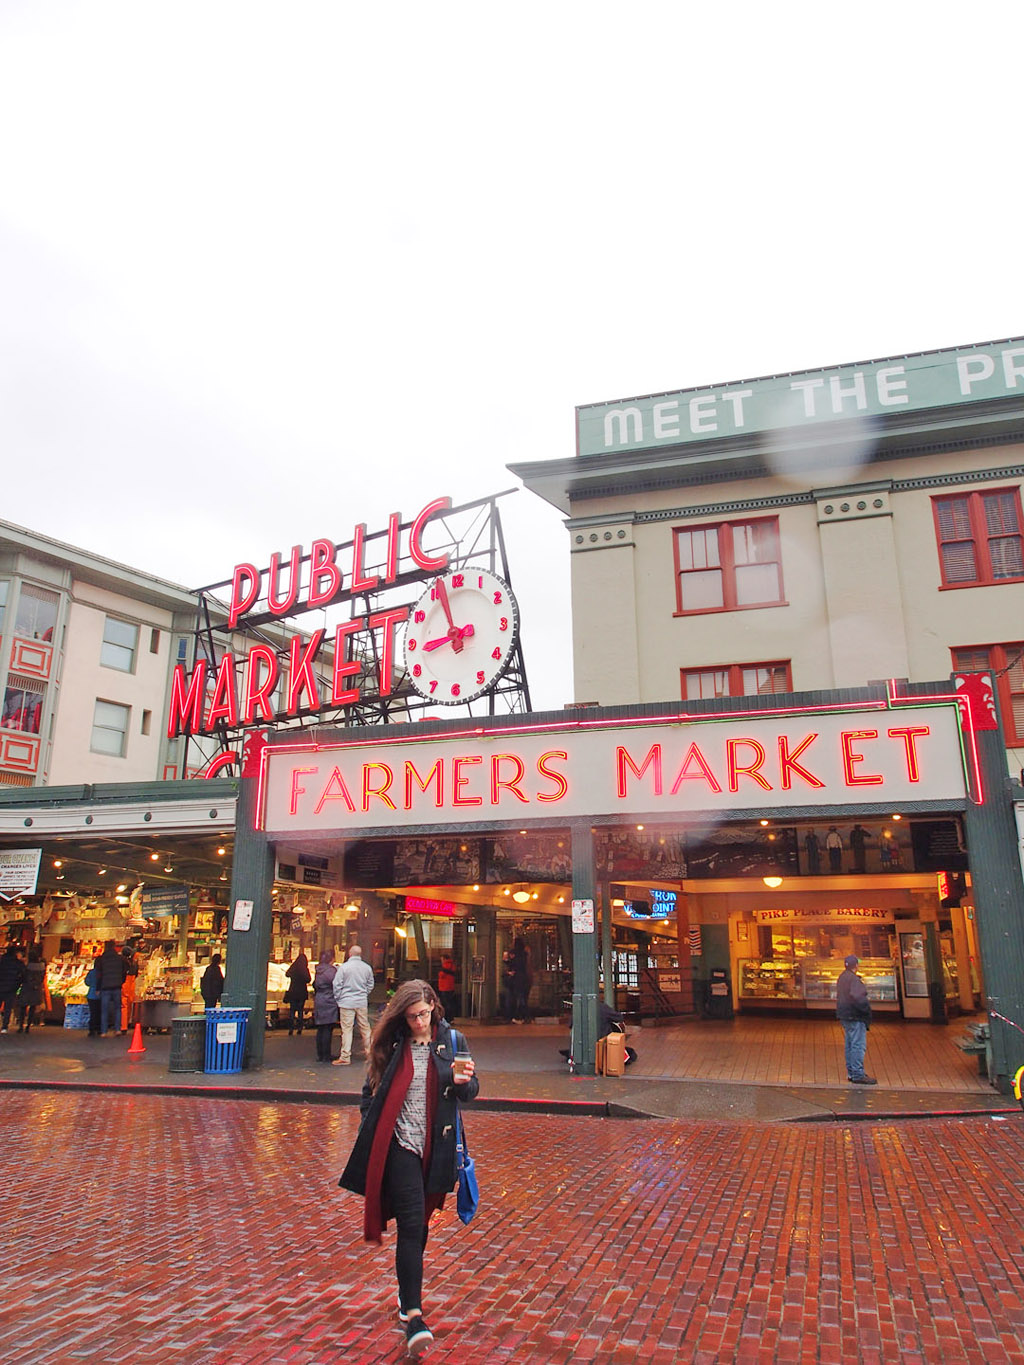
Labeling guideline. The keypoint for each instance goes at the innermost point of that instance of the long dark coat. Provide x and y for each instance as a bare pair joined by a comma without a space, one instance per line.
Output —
325,1007
298,980
442,1174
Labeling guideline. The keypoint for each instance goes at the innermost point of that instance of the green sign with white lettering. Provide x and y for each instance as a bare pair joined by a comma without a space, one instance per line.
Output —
913,383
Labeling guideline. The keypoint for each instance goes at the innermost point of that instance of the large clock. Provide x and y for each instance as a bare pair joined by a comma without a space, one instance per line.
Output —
460,636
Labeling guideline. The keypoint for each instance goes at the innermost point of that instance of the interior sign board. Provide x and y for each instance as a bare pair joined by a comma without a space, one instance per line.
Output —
19,872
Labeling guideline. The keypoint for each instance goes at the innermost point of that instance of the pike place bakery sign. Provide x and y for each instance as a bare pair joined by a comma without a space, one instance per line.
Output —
892,753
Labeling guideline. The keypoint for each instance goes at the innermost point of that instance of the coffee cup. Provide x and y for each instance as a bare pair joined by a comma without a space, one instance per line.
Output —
459,1067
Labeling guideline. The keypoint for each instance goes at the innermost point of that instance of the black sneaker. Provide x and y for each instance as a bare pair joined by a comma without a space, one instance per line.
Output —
418,1337
864,1080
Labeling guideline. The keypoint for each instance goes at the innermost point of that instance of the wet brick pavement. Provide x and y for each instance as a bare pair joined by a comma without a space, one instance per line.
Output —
152,1228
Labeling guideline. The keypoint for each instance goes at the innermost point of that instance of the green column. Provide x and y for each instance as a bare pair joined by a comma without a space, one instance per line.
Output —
998,893
584,952
248,950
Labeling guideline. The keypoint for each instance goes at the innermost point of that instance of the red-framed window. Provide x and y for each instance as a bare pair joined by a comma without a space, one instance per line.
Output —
979,537
1006,664
728,566
736,680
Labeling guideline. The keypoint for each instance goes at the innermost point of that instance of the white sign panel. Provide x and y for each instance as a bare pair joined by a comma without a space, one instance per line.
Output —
227,1033
19,872
730,763
243,915
583,917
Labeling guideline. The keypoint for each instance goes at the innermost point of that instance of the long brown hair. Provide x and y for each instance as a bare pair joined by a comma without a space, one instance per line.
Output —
392,1025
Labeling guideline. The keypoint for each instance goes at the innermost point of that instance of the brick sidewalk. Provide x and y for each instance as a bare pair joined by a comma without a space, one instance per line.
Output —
167,1229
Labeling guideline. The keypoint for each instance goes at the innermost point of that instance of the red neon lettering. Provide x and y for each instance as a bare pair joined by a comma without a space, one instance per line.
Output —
511,783
623,760
752,769
334,791
361,581
460,780
909,735
694,755
436,775
301,677
297,791
224,759
394,527
386,621
281,606
187,705
848,738
788,763
257,694
322,566
430,563
242,597
382,790
224,703
343,666
561,785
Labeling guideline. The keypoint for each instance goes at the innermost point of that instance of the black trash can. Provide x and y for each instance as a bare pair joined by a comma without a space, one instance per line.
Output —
188,1043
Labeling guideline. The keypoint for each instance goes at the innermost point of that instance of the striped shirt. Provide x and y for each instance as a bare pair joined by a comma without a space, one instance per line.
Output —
411,1128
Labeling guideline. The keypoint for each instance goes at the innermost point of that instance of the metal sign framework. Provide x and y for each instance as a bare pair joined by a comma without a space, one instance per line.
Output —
471,535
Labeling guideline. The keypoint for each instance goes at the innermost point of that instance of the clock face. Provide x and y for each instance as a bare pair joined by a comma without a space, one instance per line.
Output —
460,636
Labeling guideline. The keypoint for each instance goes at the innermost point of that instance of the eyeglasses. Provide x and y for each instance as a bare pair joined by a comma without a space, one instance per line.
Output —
418,1014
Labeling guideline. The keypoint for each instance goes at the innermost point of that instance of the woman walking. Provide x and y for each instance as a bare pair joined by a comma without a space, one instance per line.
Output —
404,1159
325,1007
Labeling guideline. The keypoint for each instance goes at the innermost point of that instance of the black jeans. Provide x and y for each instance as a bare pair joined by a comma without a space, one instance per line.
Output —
323,1042
295,1013
403,1184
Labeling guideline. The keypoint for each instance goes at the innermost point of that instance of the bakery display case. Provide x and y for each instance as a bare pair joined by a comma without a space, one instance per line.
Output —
769,981
821,974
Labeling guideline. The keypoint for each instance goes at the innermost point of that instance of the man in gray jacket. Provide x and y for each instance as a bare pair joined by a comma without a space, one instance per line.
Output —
353,983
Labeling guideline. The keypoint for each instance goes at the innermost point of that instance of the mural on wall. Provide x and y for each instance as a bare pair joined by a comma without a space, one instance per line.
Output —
542,857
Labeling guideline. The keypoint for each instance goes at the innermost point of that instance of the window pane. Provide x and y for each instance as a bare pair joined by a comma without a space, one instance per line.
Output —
767,678
701,590
120,639
699,549
1000,513
954,518
1005,554
4,586
959,564
37,613
110,727
711,682
971,660
757,583
754,542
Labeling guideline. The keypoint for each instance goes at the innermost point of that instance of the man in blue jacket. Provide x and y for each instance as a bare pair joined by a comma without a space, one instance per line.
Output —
854,1013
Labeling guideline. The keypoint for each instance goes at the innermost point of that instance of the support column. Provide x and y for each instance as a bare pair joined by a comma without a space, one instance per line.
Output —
584,952
998,892
248,950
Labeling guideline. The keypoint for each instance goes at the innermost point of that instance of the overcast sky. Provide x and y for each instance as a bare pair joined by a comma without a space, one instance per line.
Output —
269,270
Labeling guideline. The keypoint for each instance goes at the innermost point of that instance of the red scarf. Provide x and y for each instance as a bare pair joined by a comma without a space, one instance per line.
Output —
376,1210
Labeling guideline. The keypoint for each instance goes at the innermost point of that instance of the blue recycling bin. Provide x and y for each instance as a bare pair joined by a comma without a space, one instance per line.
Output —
225,1040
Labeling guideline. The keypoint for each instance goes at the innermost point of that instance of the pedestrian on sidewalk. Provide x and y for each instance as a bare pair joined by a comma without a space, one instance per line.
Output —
295,996
325,1007
92,995
522,980
30,996
853,1009
446,985
111,966
352,986
12,974
404,1160
211,985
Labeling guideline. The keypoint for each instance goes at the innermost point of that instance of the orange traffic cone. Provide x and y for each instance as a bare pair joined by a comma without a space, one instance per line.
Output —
137,1044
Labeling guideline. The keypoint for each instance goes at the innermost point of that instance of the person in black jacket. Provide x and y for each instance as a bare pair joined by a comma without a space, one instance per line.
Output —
111,965
853,1011
211,984
32,989
404,1159
295,996
12,974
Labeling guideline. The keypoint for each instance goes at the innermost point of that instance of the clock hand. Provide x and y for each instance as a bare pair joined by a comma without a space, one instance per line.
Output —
442,596
454,640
